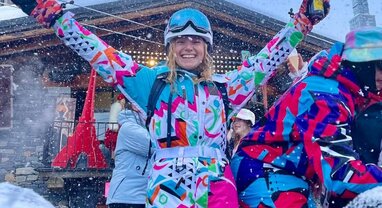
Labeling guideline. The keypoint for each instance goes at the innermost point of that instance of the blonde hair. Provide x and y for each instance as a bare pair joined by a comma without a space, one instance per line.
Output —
206,67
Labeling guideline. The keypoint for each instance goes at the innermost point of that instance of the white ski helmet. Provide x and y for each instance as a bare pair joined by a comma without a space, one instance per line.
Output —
188,22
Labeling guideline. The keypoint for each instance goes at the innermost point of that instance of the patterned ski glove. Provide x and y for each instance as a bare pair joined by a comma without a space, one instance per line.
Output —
304,20
327,64
45,11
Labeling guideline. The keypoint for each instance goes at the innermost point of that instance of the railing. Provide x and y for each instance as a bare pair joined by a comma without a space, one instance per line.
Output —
57,138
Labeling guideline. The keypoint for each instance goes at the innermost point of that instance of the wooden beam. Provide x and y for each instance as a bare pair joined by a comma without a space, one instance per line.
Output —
32,44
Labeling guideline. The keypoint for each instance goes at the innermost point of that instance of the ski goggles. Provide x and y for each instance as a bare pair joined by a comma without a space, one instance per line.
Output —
190,17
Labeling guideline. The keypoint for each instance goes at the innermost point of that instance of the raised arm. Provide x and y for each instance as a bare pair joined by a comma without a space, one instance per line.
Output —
257,69
283,43
115,67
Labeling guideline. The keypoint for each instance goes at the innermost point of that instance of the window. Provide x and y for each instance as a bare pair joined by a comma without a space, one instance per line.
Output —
6,101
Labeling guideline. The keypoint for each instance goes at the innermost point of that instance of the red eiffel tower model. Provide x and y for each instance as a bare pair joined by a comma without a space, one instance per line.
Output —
83,143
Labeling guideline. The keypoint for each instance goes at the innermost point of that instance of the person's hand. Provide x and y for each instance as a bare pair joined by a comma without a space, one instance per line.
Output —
304,21
45,11
327,63
295,63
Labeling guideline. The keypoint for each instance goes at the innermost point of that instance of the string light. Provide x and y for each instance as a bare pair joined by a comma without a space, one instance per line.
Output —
151,63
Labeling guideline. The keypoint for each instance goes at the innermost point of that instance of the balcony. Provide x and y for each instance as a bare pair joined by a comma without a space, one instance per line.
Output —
75,150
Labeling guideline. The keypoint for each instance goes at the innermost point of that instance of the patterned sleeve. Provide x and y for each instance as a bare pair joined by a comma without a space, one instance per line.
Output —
256,70
307,133
115,67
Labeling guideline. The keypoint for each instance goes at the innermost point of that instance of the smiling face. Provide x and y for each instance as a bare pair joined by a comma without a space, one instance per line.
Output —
189,51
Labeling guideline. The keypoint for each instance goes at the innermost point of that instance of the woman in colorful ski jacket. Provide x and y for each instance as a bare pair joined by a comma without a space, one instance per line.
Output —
306,134
188,123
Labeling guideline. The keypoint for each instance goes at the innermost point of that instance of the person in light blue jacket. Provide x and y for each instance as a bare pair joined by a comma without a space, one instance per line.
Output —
128,184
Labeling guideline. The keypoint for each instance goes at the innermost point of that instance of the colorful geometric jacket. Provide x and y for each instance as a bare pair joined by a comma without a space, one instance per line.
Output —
197,113
307,132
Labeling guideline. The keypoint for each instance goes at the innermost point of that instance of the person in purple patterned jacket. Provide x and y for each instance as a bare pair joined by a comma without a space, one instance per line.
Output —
305,137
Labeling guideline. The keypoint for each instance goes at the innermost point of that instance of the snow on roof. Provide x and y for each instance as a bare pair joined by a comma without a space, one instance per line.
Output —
12,12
